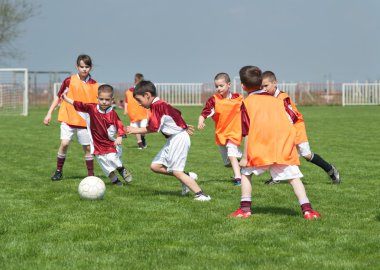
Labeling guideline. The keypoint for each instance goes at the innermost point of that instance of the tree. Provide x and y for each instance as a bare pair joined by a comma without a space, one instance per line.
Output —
12,14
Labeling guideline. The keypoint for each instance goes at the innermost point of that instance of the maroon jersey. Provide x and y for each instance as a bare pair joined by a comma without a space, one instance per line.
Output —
103,126
165,118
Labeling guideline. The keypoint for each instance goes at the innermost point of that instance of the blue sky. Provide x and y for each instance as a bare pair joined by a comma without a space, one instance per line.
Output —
191,41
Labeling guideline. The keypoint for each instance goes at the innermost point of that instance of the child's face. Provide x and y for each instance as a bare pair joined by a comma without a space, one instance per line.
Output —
105,100
144,100
269,86
83,70
222,87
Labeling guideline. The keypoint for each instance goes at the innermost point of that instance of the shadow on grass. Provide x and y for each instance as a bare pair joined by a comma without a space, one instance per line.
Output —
275,210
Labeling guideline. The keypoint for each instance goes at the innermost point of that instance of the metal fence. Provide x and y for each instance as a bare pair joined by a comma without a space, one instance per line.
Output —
361,93
303,93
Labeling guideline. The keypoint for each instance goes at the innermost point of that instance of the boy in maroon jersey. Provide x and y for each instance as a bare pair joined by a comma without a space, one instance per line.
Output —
104,124
171,160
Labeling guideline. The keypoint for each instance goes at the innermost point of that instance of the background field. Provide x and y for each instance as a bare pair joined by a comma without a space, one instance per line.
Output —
148,225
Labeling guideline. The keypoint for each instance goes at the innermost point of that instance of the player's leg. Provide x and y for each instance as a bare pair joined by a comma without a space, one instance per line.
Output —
305,152
300,192
223,153
234,153
144,123
139,141
192,185
108,167
244,211
84,140
66,135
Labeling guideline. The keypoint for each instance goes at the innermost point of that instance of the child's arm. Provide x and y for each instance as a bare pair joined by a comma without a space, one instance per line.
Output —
243,162
134,130
53,105
201,122
68,100
207,111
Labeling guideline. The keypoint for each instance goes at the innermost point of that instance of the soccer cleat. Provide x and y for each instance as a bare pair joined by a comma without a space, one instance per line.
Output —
241,214
140,145
57,176
334,175
185,188
127,176
309,215
117,183
202,197
271,182
237,182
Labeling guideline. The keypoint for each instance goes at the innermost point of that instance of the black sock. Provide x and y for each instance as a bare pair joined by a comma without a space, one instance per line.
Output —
199,193
317,160
120,170
143,140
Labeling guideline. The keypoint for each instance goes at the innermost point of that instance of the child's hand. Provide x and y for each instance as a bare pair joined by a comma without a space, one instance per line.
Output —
243,162
47,119
201,125
129,129
118,140
190,130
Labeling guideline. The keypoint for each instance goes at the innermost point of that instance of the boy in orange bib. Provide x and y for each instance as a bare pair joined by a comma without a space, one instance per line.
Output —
269,84
137,114
270,144
80,87
225,108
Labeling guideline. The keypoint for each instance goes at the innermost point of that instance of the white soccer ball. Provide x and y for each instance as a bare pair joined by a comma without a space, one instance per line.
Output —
92,188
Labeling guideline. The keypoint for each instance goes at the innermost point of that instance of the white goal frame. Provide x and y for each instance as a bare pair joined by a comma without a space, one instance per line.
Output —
25,98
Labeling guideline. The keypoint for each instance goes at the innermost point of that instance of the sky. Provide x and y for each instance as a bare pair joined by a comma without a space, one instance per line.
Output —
191,41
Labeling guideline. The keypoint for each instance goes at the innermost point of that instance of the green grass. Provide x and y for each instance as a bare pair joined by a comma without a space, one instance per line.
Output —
148,225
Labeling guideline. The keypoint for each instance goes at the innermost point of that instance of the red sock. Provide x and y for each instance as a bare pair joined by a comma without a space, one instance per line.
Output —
60,161
306,207
90,165
245,206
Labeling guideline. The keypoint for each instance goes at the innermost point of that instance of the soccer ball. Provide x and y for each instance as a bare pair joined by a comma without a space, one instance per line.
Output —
92,188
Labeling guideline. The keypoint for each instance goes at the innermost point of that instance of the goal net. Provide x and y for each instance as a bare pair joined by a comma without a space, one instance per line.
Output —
13,91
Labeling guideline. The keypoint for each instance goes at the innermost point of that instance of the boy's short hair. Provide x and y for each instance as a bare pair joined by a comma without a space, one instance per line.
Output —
224,76
85,58
269,75
105,88
139,76
144,87
251,77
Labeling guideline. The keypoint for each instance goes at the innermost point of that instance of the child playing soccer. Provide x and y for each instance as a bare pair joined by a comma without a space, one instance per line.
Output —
83,88
270,144
137,114
225,109
104,124
269,84
171,160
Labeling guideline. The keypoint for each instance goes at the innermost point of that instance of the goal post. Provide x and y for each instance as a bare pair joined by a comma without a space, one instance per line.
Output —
14,91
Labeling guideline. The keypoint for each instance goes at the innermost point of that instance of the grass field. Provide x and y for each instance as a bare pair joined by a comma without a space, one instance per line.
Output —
148,225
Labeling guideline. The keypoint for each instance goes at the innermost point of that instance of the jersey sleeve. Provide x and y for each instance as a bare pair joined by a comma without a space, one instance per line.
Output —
209,108
244,120
82,107
65,85
120,127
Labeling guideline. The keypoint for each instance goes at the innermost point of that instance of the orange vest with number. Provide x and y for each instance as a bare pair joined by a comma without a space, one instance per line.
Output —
135,111
271,136
227,119
78,91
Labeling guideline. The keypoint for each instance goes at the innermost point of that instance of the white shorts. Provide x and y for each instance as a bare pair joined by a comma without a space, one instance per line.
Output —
278,172
229,150
110,162
174,153
67,133
304,149
140,124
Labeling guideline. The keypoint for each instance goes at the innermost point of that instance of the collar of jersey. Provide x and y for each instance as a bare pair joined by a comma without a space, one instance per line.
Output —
104,112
